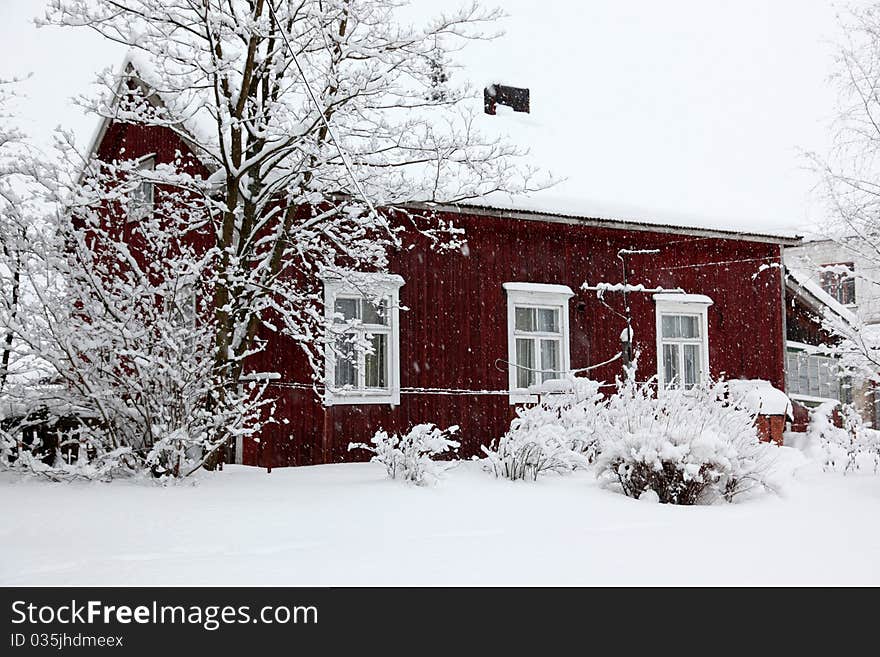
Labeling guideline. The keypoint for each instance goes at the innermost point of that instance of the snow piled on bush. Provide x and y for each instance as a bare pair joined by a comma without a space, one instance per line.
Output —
559,435
410,456
679,447
851,448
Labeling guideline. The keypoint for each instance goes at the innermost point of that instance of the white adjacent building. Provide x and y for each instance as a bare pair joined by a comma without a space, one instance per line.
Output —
829,273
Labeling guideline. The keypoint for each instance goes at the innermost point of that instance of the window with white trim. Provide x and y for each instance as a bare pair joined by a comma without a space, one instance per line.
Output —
362,359
537,333
141,200
682,339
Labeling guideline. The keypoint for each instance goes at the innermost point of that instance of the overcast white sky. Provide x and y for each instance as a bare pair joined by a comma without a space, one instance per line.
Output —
699,107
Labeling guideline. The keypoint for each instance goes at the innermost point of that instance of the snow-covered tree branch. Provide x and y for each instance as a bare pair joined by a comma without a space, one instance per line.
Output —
311,123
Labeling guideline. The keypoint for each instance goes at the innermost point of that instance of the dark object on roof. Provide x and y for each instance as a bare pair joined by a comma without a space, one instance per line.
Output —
499,94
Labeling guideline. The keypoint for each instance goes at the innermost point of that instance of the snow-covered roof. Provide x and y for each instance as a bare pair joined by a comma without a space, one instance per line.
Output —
759,396
548,204
547,133
820,298
197,125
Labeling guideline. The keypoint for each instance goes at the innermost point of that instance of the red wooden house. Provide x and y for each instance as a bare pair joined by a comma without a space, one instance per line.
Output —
462,337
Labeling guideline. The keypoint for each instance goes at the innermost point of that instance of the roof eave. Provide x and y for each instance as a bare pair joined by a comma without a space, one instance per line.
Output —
599,222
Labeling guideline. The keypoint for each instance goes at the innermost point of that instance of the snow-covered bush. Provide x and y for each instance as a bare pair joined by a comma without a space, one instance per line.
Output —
410,456
851,448
558,435
681,446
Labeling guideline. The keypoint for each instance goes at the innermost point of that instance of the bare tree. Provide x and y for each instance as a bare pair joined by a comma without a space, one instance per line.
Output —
320,122
850,176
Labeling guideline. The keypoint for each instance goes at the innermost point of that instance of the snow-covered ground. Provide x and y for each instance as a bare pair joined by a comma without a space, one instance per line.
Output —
347,524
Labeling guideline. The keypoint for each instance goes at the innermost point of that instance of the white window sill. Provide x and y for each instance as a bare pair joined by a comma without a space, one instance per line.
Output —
522,396
357,397
810,399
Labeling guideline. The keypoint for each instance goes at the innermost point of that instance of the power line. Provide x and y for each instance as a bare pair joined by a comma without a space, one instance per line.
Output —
717,262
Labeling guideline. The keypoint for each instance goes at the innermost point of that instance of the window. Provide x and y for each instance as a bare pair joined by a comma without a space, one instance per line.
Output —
183,310
682,339
362,360
839,281
537,334
140,204
813,377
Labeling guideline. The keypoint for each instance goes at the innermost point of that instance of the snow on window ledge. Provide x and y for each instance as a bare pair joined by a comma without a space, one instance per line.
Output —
665,297
538,288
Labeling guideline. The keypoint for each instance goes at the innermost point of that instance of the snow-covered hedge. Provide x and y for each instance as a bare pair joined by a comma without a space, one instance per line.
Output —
681,446
851,448
410,457
558,435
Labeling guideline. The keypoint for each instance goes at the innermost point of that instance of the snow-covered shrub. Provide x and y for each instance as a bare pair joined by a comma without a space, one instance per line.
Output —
410,456
851,448
558,435
681,446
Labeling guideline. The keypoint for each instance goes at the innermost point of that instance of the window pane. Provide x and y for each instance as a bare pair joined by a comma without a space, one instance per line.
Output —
348,308
671,367
525,357
848,291
791,373
141,202
375,364
145,195
839,282
803,376
671,326
525,319
680,326
548,320
691,365
813,376
346,363
377,315
550,365
690,326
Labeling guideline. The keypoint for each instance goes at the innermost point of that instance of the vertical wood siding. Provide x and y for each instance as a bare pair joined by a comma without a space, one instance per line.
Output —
454,328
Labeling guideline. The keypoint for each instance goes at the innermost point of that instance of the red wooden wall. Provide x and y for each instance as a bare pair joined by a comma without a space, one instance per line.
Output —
455,326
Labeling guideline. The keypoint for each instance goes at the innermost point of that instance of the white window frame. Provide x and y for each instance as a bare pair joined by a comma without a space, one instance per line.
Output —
535,295
693,305
368,286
